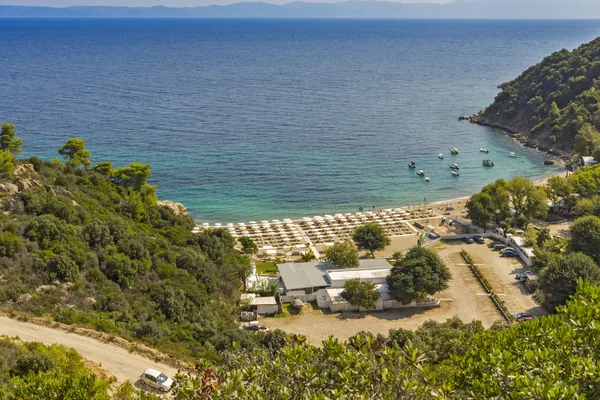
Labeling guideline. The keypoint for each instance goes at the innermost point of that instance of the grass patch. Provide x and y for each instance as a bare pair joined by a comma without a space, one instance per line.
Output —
266,268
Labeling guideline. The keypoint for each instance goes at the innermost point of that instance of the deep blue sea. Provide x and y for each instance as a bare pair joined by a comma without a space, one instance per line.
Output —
245,119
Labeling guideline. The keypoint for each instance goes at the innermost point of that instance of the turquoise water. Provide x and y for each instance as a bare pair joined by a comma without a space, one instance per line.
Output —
263,119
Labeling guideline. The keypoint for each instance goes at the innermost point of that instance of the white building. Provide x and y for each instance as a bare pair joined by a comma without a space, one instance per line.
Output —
319,282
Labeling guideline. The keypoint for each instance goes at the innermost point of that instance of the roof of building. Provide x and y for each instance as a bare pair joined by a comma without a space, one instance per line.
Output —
247,296
359,273
264,301
314,274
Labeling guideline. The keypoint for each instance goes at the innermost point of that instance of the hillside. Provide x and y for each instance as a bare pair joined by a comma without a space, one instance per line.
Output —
551,102
92,246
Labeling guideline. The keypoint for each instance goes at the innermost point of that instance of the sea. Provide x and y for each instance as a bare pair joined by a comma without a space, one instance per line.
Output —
245,119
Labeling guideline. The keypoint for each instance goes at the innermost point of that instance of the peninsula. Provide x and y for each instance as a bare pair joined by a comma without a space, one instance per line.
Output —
553,106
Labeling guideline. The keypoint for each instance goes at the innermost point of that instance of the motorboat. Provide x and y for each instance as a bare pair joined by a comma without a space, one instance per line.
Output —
426,179
484,150
454,166
454,150
513,155
488,163
412,164
455,173
420,172
441,156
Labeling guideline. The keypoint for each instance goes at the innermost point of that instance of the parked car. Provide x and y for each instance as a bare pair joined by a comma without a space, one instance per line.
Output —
255,327
508,253
499,247
468,240
522,317
479,239
523,275
156,380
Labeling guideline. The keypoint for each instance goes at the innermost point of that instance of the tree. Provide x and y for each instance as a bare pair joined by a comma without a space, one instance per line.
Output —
248,245
104,168
559,280
480,209
7,164
135,175
587,140
7,139
9,244
75,153
240,265
585,236
343,255
308,256
586,207
360,294
420,273
370,237
63,268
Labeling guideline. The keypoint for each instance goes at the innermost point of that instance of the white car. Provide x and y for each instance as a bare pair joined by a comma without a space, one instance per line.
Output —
157,380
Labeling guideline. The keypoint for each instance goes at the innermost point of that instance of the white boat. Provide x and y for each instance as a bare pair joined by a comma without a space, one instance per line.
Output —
513,155
454,166
426,179
441,156
488,163
454,150
420,172
484,150
455,173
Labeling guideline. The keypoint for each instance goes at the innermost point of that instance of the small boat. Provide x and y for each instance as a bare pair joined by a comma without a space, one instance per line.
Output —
412,164
484,150
454,150
420,172
441,156
513,155
455,173
426,179
488,163
454,166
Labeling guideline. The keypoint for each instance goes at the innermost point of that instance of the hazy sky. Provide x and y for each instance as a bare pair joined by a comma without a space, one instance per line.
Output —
169,3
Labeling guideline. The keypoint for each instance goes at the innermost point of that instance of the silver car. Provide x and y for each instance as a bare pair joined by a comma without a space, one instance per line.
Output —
156,380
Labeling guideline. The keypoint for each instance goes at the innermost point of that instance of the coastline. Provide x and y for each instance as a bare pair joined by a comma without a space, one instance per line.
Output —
453,202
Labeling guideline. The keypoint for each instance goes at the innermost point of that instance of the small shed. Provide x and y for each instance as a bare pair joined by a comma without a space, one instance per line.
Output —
588,161
264,305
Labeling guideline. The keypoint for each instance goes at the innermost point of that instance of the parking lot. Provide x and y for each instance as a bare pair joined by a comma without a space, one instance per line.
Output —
464,297
500,273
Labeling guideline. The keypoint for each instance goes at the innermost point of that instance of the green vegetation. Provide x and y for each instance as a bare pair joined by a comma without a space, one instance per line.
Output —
34,371
75,153
343,255
248,245
370,237
493,204
133,268
554,357
420,273
554,104
266,268
360,294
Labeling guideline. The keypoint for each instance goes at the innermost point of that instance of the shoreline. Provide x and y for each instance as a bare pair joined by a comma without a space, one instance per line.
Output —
433,204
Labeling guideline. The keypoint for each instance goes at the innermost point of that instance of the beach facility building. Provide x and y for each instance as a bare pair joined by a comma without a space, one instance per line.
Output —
260,305
323,283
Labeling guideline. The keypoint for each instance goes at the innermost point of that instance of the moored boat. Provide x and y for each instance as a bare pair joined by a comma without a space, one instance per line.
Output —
484,150
488,163
454,166
426,179
441,156
412,164
420,172
455,173
513,155
454,150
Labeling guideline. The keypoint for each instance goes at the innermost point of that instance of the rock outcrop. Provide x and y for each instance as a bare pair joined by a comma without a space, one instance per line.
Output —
177,208
24,170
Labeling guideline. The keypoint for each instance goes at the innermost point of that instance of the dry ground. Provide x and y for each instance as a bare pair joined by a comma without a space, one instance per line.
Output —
468,302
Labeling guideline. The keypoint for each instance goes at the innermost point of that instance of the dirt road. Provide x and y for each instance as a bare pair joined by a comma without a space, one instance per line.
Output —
119,362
